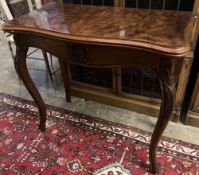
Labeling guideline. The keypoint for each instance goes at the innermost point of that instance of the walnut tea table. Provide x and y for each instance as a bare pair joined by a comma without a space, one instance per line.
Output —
106,37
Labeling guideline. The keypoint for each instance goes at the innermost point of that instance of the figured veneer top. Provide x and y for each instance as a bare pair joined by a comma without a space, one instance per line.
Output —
164,31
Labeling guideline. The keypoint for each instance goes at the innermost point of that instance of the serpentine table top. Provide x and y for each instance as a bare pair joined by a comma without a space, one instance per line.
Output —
165,31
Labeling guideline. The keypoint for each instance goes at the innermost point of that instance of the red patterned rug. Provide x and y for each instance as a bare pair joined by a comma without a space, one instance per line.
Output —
77,144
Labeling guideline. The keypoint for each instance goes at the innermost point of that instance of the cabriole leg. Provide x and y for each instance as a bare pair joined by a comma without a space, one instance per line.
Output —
167,81
20,65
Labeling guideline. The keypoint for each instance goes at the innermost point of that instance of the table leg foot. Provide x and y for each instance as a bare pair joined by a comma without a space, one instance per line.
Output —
152,156
153,169
42,127
68,98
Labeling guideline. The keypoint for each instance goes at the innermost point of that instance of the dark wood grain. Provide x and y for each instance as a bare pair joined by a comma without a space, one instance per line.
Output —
107,37
166,31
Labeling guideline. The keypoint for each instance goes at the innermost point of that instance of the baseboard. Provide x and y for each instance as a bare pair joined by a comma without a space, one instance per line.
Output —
192,119
109,98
